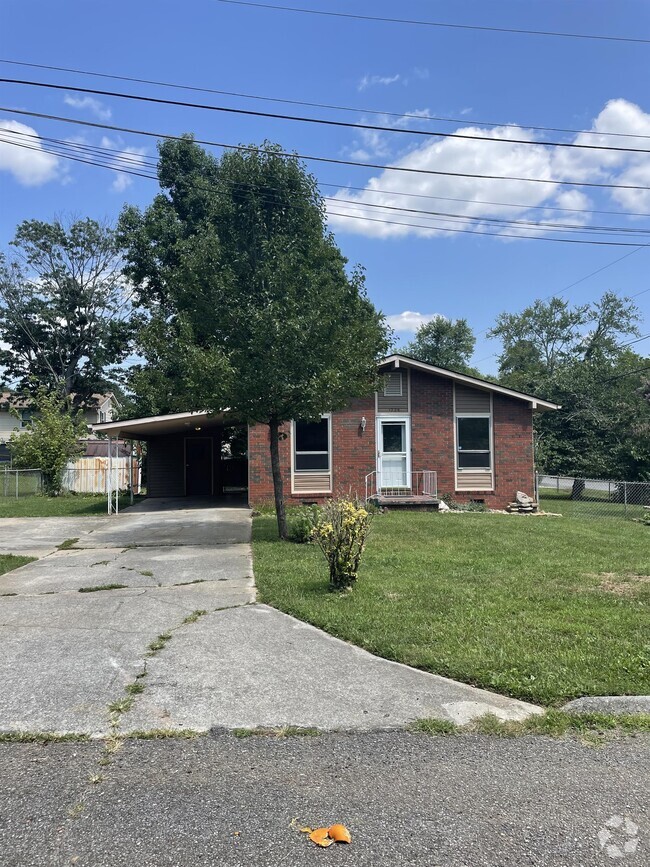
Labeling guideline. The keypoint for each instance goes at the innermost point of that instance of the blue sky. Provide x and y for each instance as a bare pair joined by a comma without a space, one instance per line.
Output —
469,75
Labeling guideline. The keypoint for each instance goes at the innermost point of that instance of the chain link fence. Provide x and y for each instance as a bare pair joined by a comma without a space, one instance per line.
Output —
592,498
19,483
84,477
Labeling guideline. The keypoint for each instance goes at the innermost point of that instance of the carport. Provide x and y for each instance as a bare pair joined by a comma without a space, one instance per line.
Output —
188,454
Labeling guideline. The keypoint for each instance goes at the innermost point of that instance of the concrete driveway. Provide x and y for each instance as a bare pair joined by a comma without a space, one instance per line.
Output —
182,623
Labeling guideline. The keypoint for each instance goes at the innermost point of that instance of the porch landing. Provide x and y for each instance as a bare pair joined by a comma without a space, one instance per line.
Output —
405,501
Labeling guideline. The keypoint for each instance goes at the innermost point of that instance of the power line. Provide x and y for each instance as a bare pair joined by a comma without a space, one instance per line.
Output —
114,154
317,120
442,24
429,228
325,105
629,373
332,160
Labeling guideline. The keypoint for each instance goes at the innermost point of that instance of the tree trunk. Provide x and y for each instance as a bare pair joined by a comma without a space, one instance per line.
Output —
274,438
578,489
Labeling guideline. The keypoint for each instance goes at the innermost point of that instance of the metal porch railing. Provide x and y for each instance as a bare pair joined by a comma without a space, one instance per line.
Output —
421,483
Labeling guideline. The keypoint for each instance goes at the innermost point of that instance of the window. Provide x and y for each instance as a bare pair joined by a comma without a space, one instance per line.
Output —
311,446
393,384
473,439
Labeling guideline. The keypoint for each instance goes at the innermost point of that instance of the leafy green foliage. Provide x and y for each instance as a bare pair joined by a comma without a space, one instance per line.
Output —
445,343
49,442
576,357
341,533
63,307
248,301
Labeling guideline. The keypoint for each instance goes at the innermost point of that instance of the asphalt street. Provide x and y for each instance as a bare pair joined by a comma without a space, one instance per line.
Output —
408,799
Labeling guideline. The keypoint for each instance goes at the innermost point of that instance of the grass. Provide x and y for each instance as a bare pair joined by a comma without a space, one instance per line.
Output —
67,544
593,504
66,505
9,562
541,609
554,723
102,587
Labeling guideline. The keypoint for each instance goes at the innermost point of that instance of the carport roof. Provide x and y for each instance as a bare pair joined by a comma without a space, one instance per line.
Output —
157,425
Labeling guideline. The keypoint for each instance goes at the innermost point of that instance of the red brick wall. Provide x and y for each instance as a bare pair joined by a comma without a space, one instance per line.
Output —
432,440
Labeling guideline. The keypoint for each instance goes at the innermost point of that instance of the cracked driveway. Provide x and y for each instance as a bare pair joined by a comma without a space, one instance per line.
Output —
67,655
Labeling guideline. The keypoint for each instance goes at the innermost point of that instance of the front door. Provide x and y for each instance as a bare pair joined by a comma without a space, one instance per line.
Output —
393,469
198,466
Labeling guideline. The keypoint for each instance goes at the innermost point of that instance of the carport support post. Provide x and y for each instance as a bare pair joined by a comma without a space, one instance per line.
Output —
109,476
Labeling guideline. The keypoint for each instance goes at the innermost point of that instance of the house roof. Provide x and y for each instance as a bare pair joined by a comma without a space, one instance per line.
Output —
155,425
179,422
15,401
398,360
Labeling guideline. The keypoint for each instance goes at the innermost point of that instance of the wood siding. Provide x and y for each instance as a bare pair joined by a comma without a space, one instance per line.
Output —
312,483
395,403
476,480
472,400
166,467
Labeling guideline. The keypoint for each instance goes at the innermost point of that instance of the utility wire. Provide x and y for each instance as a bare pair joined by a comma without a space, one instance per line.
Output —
332,160
62,147
328,106
443,24
318,120
429,228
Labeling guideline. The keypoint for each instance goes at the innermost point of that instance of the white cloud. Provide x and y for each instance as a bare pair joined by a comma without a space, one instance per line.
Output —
409,320
501,158
374,80
30,167
124,157
454,156
94,106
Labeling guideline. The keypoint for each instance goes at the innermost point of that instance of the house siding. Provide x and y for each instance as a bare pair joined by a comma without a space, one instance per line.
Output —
165,467
432,447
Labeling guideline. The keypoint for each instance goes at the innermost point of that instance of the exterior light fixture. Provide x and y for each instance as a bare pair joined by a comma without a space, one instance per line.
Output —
198,427
363,423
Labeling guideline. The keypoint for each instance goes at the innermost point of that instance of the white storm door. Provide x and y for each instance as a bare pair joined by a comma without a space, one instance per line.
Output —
393,451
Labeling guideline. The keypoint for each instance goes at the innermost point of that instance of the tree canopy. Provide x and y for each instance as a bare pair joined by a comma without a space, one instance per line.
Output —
248,301
581,357
445,343
63,307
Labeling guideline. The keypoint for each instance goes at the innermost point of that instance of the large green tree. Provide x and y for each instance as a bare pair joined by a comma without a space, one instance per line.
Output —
63,307
444,342
581,357
248,301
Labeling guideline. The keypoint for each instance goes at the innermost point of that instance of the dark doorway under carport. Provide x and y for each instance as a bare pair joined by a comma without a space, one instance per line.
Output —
190,454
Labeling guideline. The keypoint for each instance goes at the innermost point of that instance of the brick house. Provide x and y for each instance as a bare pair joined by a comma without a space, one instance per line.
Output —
427,432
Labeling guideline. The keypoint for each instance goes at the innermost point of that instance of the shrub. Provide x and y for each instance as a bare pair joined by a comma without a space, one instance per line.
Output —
50,441
341,533
302,522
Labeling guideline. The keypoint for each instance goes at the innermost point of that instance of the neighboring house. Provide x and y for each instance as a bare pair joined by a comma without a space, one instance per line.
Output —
16,413
427,430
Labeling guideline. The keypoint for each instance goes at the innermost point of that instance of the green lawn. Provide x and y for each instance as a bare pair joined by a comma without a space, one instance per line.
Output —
11,561
595,504
545,609
67,505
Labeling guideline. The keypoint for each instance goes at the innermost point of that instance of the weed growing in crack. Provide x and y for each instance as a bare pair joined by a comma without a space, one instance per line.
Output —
102,587
76,810
134,688
67,544
158,643
194,616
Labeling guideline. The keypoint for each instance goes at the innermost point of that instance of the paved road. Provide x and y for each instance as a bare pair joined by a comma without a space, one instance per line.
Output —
409,800
67,656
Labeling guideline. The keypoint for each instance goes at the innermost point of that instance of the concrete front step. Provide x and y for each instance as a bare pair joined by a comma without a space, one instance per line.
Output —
406,501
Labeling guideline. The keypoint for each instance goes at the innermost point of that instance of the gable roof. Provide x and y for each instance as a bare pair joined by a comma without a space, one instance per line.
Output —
399,360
